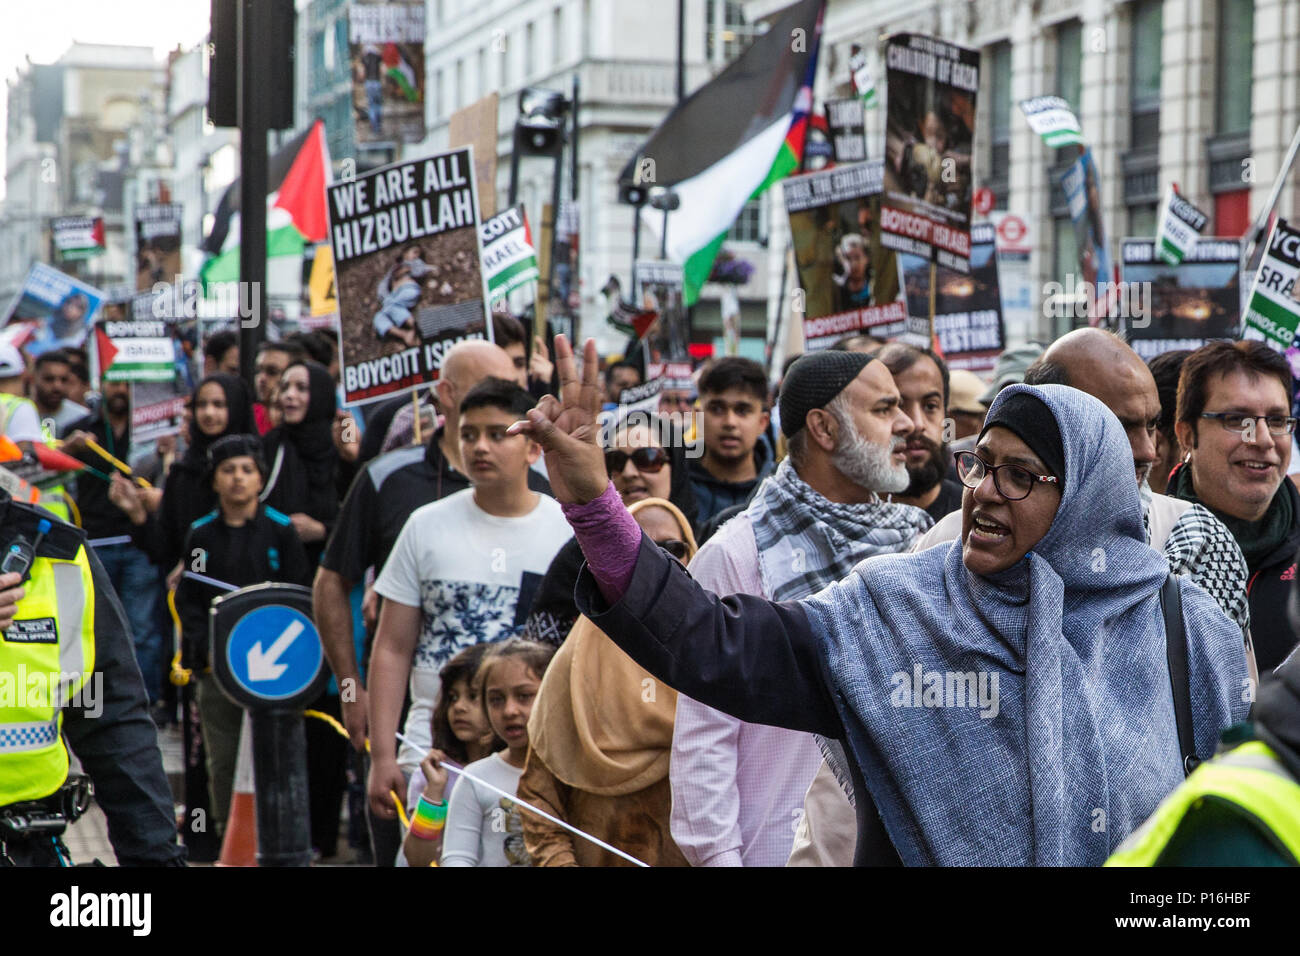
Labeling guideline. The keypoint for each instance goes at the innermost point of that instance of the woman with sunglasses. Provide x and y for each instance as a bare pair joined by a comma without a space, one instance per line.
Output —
600,737
640,468
1004,700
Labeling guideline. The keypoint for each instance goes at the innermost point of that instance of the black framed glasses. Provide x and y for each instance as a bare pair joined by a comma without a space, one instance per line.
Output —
678,549
647,460
1013,482
1239,423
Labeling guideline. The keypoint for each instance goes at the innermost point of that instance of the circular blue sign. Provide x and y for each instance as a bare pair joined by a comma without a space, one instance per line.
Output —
274,652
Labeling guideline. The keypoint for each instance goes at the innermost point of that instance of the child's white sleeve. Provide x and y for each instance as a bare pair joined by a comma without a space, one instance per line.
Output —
463,835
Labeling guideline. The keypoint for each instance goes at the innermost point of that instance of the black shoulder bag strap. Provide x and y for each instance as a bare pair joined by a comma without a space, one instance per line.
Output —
1171,603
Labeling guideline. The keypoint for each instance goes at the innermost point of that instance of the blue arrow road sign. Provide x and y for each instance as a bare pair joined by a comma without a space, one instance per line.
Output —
274,652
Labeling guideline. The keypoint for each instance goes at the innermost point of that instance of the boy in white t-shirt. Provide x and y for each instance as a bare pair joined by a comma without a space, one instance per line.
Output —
463,572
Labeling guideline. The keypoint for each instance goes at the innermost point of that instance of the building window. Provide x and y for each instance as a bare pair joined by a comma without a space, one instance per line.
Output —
530,52
1000,111
482,73
1144,92
458,100
503,65
1065,264
1069,75
439,94
1234,67
726,34
1142,219
748,226
557,34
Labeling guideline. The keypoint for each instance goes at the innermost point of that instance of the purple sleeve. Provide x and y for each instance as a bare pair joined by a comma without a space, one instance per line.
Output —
610,539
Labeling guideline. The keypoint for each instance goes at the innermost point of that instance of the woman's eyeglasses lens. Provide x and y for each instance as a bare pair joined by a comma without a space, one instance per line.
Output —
1012,481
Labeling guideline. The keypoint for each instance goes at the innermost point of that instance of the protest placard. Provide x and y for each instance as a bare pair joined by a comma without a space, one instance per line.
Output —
1188,304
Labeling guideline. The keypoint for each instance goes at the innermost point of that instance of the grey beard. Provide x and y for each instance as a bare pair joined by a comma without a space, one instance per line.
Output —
870,465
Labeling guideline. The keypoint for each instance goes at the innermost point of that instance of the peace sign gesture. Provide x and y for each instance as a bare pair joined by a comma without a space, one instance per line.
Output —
567,429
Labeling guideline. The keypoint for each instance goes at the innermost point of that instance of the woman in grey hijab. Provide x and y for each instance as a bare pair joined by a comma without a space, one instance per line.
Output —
1004,699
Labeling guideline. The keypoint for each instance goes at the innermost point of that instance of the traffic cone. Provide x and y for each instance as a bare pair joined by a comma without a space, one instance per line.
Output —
239,846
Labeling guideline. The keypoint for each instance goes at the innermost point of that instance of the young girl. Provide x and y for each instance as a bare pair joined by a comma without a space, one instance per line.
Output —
483,827
461,734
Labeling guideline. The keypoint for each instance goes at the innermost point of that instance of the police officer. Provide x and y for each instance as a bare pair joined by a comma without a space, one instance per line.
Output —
68,677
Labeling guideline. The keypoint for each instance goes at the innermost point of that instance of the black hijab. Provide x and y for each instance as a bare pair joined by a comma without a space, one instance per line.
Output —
307,460
239,419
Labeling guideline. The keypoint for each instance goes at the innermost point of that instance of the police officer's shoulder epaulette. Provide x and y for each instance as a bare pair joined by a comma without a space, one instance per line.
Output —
62,541
279,517
208,518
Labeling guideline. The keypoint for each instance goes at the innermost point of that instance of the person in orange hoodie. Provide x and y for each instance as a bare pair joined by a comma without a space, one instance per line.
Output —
600,738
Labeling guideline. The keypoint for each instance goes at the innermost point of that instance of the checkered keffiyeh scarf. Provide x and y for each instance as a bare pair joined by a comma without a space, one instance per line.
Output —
806,541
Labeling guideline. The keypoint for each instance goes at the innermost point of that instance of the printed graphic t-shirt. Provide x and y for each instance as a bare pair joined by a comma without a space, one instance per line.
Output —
473,576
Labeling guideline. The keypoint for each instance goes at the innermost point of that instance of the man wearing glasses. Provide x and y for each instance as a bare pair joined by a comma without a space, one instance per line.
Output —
1234,414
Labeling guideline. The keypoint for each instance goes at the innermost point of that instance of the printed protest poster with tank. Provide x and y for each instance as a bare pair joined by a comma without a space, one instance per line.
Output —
1189,304
157,244
929,124
57,309
967,306
1273,312
408,277
848,278
386,45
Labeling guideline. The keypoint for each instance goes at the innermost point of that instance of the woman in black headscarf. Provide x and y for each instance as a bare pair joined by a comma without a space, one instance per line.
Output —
301,455
303,463
220,406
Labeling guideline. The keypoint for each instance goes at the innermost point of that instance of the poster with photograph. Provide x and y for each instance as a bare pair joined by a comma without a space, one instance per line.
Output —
407,272
1082,187
848,277
929,124
658,289
58,309
386,44
77,237
1191,303
967,306
157,244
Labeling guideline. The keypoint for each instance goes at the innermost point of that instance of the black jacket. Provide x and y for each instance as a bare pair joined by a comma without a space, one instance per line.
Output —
115,740
264,549
713,495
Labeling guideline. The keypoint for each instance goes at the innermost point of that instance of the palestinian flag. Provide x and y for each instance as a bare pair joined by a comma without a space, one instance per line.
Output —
399,69
730,140
295,215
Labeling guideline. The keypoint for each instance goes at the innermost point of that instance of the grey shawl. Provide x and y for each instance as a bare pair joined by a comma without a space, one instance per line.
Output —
1027,718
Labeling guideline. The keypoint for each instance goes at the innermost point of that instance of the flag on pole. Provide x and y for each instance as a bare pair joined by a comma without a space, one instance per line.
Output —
730,140
1179,227
296,214
1053,119
863,84
398,68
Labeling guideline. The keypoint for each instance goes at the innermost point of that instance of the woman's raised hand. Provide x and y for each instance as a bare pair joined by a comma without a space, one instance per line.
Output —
567,429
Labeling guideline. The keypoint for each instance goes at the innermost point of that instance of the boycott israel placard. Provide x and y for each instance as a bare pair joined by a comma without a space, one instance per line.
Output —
386,44
77,237
157,244
134,341
967,307
1052,118
157,409
509,259
849,280
407,271
860,73
929,124
1180,225
1188,304
1273,313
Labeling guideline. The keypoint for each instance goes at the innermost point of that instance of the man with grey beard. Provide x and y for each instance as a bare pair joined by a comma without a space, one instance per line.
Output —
737,786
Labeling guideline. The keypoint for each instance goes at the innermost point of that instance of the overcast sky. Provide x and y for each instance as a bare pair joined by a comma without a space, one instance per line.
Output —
46,28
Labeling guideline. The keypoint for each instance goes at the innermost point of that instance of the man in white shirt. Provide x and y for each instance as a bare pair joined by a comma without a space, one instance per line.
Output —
738,788
463,571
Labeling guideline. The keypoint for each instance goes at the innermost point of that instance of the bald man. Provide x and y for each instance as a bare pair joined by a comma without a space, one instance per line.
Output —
382,496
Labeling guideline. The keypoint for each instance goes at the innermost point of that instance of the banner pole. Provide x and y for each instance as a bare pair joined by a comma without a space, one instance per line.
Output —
1261,221
415,404
933,273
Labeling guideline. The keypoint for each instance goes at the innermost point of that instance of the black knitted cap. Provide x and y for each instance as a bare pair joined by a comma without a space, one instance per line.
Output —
813,381
1033,422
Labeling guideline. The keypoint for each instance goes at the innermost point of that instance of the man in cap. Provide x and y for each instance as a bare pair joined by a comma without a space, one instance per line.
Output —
737,786
19,421
964,406
1010,369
